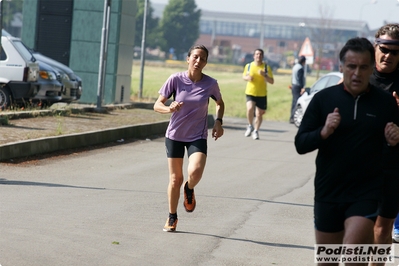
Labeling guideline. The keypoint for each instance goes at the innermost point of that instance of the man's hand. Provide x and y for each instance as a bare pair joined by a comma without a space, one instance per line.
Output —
391,134
332,122
262,73
248,78
396,96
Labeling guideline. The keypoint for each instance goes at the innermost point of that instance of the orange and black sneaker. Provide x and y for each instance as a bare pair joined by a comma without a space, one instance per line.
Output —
189,198
170,225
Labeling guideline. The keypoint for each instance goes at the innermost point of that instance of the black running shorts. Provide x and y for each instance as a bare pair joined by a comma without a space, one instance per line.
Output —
175,149
260,102
389,205
330,217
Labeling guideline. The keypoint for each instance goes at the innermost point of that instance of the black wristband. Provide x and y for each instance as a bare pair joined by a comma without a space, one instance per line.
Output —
220,120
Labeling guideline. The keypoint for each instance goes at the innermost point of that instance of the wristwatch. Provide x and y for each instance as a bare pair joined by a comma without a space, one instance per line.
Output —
220,120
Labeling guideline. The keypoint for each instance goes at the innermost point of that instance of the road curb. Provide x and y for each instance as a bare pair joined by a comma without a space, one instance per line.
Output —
71,141
79,140
72,109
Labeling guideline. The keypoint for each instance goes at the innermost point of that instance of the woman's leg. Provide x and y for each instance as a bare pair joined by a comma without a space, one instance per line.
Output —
196,166
175,182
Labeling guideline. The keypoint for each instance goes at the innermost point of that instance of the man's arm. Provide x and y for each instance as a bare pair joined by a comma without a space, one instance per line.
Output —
301,77
309,136
268,78
245,74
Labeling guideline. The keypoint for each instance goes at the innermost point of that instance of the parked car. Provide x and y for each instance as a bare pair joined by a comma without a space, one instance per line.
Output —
71,82
19,72
247,58
23,78
50,85
325,81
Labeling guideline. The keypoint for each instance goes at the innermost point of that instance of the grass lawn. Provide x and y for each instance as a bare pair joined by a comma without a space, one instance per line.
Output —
231,85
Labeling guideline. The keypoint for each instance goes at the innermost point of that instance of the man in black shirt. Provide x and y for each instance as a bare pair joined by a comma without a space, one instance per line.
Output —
386,77
352,124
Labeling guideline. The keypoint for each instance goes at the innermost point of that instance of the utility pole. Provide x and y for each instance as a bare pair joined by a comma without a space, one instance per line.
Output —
1,21
103,53
262,30
142,58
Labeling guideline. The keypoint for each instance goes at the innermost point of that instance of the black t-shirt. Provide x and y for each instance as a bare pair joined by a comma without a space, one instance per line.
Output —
350,162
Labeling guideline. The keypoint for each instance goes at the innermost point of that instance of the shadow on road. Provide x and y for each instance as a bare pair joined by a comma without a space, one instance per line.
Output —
250,241
4,181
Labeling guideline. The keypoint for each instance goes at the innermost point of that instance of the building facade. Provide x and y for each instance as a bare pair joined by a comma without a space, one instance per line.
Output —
70,31
231,34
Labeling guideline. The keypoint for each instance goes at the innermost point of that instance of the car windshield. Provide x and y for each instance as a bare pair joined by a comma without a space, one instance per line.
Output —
333,81
23,51
5,33
324,82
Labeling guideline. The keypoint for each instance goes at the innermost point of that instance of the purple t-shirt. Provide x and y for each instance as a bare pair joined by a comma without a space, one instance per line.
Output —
191,121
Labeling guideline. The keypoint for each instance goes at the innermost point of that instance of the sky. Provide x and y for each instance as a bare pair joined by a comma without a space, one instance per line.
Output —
374,12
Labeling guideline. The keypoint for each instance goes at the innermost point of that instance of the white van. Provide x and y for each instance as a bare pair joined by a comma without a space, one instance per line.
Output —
19,72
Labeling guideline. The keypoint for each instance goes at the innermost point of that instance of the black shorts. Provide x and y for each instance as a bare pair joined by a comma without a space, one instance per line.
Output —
175,149
389,205
330,217
260,102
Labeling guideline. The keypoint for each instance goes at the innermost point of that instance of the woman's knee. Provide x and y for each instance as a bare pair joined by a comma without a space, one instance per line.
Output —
196,173
175,181
196,170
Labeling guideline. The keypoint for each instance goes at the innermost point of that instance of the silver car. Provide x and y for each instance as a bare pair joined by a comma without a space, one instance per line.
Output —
72,83
50,86
325,81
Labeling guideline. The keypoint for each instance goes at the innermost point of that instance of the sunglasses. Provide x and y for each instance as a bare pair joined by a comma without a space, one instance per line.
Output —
388,51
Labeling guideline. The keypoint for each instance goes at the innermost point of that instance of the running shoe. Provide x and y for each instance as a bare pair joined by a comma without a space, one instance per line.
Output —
255,135
189,199
170,225
249,131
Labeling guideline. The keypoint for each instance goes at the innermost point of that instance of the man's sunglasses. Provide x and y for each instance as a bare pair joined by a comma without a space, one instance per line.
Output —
388,51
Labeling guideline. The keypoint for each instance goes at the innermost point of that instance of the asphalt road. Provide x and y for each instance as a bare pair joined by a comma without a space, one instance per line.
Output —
108,206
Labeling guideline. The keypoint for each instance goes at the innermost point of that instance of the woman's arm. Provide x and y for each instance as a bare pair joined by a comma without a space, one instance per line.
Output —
217,130
160,107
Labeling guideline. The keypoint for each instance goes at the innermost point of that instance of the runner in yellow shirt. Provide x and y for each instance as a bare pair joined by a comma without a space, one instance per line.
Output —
257,74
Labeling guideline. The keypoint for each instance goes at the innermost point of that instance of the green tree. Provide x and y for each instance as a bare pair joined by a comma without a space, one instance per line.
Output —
153,36
180,25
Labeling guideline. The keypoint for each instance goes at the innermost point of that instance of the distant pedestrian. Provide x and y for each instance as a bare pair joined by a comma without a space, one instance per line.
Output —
257,74
297,84
188,127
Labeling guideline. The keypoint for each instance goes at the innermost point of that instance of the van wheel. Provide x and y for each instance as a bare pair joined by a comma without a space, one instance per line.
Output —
5,100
